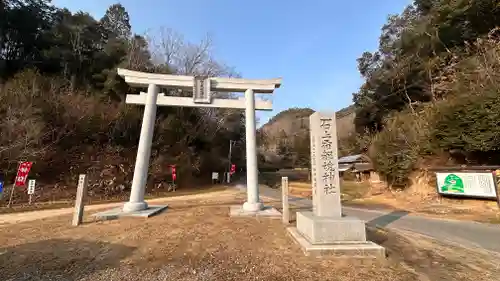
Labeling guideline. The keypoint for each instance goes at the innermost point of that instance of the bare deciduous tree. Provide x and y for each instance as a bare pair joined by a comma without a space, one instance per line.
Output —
170,49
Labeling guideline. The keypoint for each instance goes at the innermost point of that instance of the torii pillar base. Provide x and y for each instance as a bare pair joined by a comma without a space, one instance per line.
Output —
118,213
135,206
264,211
252,207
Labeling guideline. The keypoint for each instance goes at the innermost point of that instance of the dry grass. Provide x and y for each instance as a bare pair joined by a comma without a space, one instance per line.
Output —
196,240
19,217
350,189
38,206
300,189
472,210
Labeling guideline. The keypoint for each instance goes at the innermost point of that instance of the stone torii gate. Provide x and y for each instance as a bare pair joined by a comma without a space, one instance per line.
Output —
201,87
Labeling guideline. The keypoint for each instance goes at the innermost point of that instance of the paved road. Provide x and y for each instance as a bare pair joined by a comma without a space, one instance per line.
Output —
469,234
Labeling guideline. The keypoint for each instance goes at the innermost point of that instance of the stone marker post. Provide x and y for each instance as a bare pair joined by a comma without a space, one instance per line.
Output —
284,199
324,229
80,196
324,166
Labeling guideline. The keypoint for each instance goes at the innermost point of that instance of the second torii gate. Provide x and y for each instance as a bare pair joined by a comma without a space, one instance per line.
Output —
202,87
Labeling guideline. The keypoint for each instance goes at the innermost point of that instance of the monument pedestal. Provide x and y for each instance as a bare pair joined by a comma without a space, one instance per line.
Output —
341,237
327,230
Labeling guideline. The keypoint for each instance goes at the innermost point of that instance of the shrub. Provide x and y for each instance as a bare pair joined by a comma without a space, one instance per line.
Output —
46,123
470,122
395,150
393,154
470,125
22,129
466,121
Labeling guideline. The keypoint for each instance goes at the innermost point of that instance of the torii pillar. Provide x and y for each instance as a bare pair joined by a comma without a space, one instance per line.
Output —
202,88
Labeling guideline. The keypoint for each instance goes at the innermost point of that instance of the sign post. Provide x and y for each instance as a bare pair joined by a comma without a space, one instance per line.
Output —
284,199
31,189
80,196
22,174
215,177
497,178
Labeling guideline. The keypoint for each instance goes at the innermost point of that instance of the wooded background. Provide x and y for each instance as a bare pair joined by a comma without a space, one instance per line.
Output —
62,103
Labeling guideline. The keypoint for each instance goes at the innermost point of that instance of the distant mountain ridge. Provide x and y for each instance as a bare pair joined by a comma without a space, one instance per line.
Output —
295,122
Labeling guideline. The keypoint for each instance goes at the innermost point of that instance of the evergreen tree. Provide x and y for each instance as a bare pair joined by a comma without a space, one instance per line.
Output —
116,22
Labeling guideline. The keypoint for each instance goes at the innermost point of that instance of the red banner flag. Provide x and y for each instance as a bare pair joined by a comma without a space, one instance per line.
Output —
174,175
22,173
233,169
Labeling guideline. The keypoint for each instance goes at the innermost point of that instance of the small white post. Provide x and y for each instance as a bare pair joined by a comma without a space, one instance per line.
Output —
31,189
80,197
136,202
253,203
284,199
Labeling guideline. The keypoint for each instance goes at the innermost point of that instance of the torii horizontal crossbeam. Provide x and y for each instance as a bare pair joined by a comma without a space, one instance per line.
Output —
163,100
218,84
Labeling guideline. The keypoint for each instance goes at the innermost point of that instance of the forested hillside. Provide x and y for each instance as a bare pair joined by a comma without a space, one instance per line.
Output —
62,103
432,93
286,137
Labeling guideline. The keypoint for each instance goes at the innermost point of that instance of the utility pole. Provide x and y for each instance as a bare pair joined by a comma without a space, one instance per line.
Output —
231,142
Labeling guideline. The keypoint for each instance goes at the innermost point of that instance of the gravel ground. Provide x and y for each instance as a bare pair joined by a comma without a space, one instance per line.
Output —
196,240
17,217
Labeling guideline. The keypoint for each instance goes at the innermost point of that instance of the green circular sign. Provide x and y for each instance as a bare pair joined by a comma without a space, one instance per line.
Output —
453,183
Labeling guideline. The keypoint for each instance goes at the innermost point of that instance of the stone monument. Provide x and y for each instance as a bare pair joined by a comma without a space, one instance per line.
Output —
324,230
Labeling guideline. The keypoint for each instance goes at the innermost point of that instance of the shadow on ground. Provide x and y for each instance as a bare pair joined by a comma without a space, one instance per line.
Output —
182,208
389,218
381,221
59,259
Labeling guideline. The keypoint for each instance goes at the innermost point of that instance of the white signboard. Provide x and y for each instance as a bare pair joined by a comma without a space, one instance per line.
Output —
475,184
31,187
215,176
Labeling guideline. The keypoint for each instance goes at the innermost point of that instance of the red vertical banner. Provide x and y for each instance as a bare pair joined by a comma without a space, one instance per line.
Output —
233,169
22,173
174,174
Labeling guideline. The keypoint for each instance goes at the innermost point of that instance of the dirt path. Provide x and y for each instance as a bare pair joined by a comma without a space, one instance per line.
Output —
6,219
196,240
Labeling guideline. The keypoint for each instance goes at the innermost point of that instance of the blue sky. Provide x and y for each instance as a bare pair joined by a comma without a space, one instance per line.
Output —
313,45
